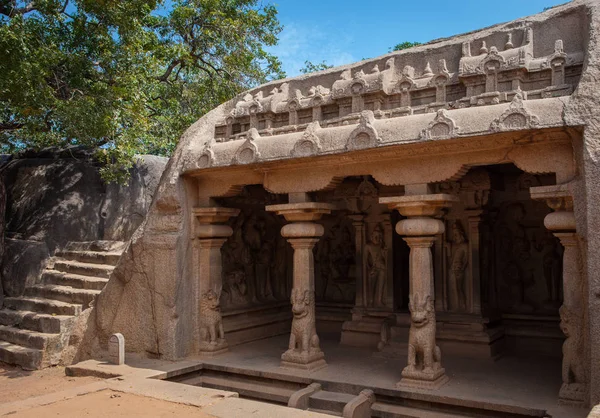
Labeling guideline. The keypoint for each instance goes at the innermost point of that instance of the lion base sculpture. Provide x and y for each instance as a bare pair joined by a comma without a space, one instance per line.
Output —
304,351
424,369
212,336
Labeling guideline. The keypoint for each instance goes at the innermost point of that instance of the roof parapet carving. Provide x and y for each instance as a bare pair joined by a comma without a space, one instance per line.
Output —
248,153
364,135
515,117
207,156
405,84
442,126
309,144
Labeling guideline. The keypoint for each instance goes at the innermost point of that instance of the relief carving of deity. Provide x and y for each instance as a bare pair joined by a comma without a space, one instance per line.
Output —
457,277
376,254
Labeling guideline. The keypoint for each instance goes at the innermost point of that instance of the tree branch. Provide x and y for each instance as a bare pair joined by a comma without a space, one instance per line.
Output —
10,126
168,71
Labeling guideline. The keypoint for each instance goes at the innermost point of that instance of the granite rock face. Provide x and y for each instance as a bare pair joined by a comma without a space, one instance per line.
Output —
55,197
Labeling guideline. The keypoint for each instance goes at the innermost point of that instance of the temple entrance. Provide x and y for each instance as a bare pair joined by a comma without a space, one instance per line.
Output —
497,287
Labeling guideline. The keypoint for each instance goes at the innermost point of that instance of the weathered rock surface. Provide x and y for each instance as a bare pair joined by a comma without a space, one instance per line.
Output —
53,197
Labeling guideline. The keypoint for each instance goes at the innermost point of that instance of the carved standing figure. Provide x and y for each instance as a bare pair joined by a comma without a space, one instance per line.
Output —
376,267
211,325
423,354
459,259
303,337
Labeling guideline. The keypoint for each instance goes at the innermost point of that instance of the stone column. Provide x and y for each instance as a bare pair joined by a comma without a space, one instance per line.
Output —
424,369
474,294
304,351
211,234
573,321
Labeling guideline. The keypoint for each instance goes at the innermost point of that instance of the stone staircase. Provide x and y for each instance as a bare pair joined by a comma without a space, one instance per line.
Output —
35,327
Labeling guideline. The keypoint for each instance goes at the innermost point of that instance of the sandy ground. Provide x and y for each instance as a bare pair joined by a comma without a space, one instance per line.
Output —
17,384
112,404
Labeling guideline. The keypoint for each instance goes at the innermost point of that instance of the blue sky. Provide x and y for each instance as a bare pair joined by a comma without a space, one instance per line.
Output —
345,31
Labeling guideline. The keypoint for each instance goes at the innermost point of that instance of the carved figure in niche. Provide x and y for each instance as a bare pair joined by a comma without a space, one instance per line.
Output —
237,262
335,256
376,253
278,273
303,337
423,354
459,259
211,326
263,271
515,251
552,268
573,373
235,289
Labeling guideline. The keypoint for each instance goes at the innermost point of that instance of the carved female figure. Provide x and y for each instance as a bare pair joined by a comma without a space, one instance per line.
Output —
458,266
376,267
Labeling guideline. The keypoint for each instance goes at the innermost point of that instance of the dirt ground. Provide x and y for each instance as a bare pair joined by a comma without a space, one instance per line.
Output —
17,384
112,404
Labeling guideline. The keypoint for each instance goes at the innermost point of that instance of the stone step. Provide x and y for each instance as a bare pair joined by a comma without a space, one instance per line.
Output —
27,358
92,257
74,280
30,339
46,306
382,410
324,411
52,324
249,389
334,402
84,269
62,293
105,246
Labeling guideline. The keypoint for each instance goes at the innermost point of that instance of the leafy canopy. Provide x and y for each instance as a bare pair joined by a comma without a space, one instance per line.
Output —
310,67
404,45
126,76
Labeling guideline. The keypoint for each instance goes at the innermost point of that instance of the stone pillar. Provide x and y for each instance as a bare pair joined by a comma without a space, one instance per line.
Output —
474,293
573,320
424,369
211,234
304,351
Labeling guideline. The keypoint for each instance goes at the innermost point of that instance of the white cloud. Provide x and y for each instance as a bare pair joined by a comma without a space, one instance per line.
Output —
299,43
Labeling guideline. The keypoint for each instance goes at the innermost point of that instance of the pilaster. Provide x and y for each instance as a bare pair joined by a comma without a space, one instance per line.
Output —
573,315
211,234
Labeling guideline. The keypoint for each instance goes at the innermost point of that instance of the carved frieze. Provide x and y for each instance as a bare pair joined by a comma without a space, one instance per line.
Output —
515,117
365,135
309,144
248,153
442,126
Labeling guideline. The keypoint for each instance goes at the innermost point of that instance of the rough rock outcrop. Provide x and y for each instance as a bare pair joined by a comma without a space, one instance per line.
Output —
53,197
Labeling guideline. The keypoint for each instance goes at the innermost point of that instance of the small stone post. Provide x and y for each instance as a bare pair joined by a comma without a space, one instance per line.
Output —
116,349
304,350
424,369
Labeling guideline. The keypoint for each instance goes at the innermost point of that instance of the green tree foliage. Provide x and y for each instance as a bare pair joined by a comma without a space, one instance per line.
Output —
310,67
125,76
404,45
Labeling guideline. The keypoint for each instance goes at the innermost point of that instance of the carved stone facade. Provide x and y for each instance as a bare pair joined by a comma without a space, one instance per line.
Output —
394,197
